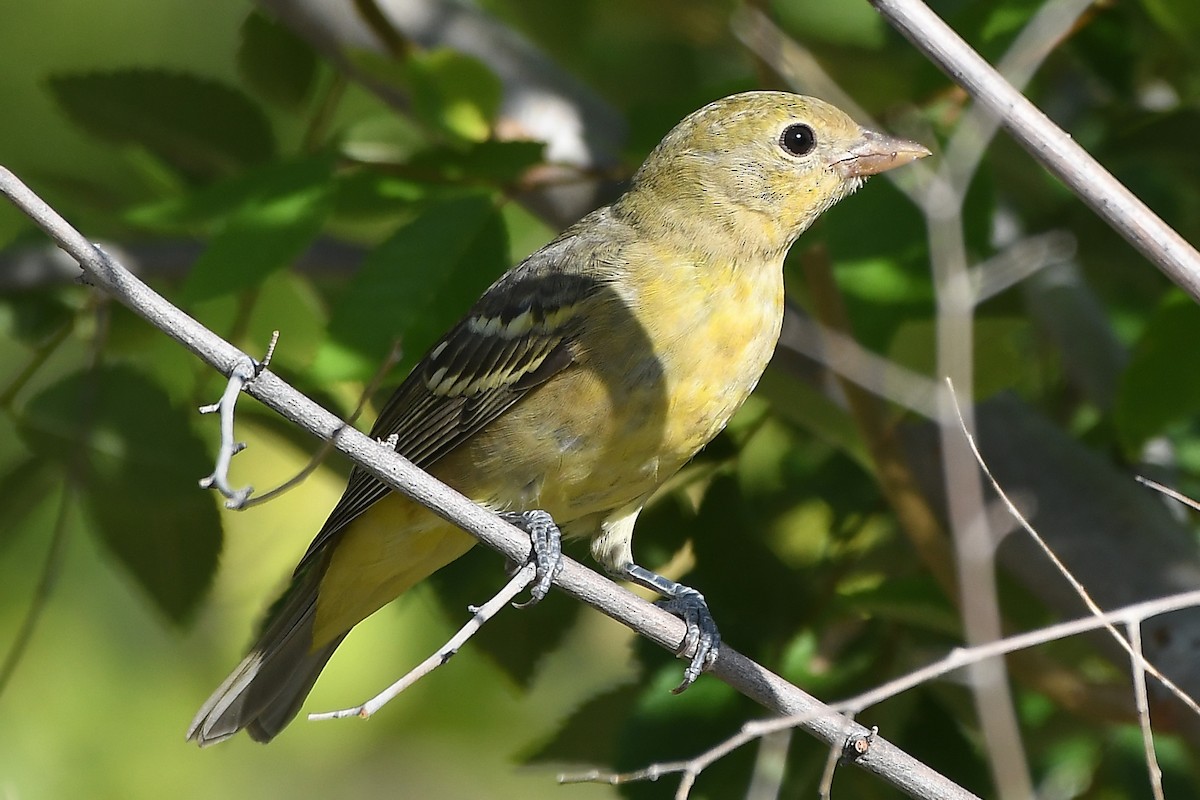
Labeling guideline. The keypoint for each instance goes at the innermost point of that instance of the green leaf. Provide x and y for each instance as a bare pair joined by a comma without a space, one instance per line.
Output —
451,93
415,285
1179,18
1002,351
140,465
854,24
1160,387
23,488
498,163
267,233
275,62
199,126
455,93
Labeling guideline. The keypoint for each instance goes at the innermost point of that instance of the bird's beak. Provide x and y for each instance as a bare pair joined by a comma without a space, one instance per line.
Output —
874,153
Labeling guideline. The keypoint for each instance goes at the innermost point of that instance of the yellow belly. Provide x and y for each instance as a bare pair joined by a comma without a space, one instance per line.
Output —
642,399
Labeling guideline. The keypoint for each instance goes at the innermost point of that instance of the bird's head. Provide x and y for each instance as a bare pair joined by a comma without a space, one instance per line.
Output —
754,170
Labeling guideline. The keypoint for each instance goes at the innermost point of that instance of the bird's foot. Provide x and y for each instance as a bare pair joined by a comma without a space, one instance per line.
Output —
701,638
545,550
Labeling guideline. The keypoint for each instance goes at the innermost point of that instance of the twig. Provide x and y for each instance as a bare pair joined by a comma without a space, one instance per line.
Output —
243,372
1018,261
846,358
1168,491
1137,664
1078,587
40,354
770,766
318,458
1048,143
1131,616
480,615
667,631
957,659
942,202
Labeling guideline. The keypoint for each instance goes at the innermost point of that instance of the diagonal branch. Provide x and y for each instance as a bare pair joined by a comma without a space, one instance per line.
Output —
744,675
1047,142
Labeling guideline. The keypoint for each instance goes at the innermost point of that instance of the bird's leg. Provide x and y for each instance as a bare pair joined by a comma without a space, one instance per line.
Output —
690,606
545,549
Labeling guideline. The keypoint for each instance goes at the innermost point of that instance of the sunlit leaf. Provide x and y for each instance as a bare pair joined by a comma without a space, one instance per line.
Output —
266,234
455,93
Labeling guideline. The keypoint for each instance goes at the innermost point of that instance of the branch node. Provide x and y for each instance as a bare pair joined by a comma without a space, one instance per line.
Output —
242,374
858,745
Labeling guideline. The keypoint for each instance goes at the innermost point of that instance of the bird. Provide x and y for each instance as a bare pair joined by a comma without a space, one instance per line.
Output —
580,381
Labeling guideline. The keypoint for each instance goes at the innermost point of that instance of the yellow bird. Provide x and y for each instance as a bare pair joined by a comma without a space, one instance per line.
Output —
582,379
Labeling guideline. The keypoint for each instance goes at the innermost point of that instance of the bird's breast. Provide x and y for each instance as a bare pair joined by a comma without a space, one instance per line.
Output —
713,344
663,364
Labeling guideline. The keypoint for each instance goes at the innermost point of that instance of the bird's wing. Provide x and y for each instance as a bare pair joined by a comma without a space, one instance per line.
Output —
519,335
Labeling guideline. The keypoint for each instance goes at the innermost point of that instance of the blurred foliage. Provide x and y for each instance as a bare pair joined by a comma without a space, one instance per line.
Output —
213,131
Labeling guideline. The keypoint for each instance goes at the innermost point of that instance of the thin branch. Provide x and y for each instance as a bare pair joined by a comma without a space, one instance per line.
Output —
318,458
1137,663
842,355
956,659
1048,143
480,615
57,550
912,508
218,479
744,675
1168,491
770,766
47,578
1078,587
1018,261
40,354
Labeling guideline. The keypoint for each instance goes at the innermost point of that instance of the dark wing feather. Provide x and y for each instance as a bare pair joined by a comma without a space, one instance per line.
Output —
517,336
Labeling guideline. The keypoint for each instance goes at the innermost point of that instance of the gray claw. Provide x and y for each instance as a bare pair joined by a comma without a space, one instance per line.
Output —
702,637
545,550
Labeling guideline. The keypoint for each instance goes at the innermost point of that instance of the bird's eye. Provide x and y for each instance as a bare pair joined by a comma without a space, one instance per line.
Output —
799,140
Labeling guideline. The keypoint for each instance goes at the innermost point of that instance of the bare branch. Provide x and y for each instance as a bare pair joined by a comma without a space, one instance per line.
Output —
1168,491
1048,143
318,458
664,629
244,371
1066,573
1138,665
480,615
1018,261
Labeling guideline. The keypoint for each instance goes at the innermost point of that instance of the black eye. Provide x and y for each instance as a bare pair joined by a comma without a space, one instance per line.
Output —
799,140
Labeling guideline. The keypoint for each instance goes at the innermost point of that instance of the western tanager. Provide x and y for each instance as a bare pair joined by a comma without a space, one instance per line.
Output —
582,379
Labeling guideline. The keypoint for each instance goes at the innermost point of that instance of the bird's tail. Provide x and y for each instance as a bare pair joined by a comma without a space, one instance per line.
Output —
269,686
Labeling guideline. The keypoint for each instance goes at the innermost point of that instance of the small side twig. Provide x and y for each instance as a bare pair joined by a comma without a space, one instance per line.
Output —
1168,491
480,615
1078,587
243,372
393,358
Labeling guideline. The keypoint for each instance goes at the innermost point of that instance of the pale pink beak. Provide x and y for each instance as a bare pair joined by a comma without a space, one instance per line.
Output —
875,152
